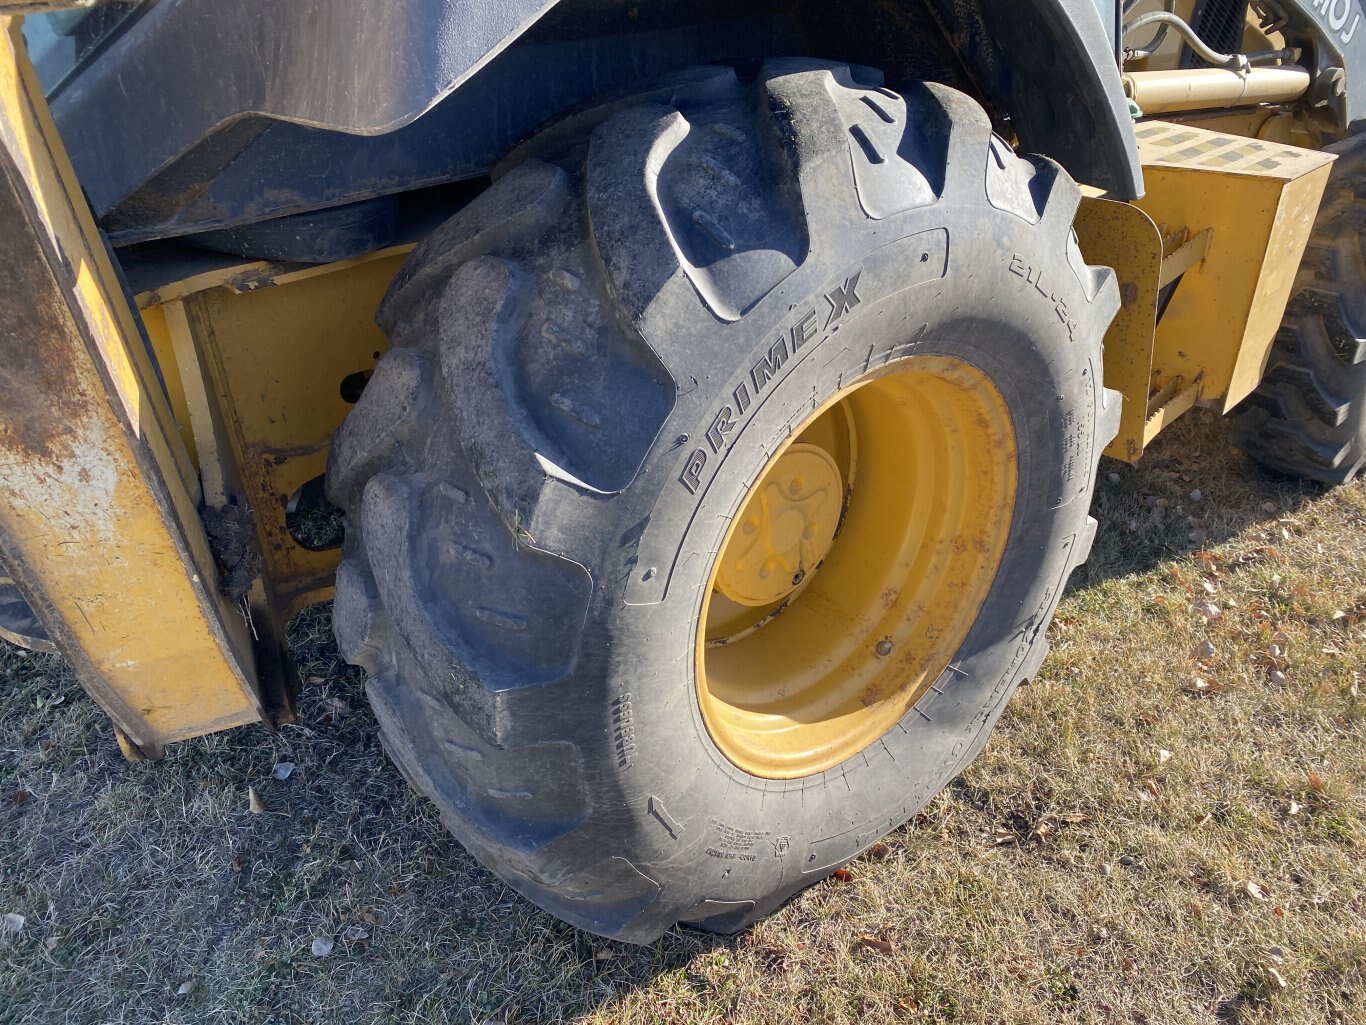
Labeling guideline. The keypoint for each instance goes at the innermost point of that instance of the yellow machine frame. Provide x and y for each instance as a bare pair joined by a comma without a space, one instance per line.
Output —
120,422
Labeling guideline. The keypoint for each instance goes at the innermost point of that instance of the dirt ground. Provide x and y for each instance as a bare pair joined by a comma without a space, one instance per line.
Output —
1168,827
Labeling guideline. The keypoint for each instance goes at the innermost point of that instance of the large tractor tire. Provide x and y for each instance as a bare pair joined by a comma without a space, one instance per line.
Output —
1308,416
732,454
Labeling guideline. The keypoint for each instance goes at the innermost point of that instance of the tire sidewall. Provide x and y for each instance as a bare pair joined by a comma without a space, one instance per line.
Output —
1008,306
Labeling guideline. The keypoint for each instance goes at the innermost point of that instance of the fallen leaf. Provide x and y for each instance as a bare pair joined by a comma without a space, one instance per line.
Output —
1277,978
1206,649
239,862
843,875
1316,783
355,933
910,1007
879,851
1277,677
1254,891
1204,819
1278,911
1294,807
185,988
1152,787
876,945
1163,755
314,679
51,942
12,924
1207,609
322,946
282,770
19,797
254,801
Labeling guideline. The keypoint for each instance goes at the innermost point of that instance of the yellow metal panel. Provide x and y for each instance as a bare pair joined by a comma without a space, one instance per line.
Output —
1270,124
1258,199
1288,237
249,275
43,163
154,320
273,345
96,523
1168,404
1206,261
15,7
1122,236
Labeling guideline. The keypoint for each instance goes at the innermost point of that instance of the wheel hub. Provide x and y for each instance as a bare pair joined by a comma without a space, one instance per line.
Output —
856,565
785,528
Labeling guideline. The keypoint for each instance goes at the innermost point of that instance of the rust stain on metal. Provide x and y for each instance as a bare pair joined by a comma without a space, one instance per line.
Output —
91,494
33,379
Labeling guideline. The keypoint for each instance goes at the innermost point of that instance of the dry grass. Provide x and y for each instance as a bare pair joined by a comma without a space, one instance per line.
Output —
1131,847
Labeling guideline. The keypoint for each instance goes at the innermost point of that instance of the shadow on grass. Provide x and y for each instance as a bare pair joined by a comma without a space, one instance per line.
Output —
1191,491
154,892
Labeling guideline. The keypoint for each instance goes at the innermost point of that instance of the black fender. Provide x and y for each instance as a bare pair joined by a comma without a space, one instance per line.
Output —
1340,27
206,114
1051,65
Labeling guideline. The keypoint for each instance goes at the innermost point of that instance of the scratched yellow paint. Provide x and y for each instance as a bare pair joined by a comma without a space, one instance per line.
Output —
127,581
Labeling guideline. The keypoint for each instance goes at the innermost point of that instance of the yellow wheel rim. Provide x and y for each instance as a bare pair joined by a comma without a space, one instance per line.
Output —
855,567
